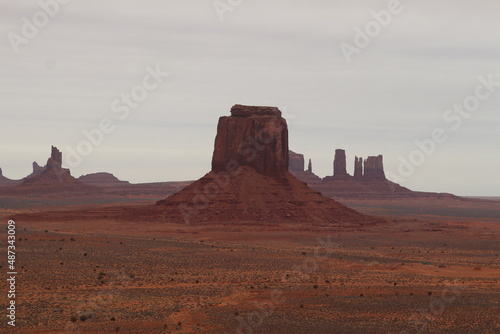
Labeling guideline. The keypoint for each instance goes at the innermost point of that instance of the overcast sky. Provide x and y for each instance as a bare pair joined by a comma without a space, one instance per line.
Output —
395,90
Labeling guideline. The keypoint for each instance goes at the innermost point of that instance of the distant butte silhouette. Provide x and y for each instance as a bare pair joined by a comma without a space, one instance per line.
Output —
368,180
51,179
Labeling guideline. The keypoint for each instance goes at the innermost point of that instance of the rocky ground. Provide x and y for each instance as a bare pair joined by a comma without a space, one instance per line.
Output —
400,276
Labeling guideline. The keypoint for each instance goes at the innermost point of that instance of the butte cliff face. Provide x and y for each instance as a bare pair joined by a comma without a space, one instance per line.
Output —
250,182
252,136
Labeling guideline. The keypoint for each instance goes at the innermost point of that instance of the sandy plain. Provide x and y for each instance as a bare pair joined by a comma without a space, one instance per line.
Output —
426,266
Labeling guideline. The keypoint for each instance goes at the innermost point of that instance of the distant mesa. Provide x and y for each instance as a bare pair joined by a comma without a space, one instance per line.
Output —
102,180
250,181
52,178
295,162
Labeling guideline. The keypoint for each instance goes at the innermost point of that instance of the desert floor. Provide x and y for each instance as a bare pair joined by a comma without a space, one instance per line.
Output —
429,266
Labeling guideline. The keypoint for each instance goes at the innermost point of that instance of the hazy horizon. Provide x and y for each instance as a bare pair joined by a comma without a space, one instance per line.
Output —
398,89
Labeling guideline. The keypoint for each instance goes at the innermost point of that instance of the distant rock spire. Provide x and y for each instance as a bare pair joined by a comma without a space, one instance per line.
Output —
310,166
339,163
55,159
358,167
